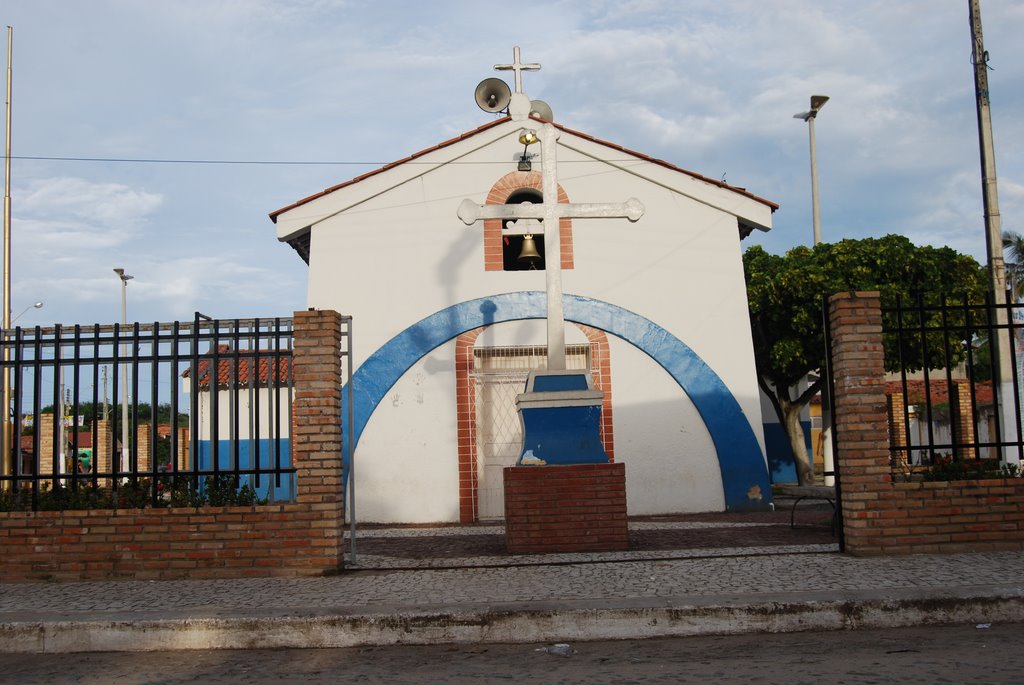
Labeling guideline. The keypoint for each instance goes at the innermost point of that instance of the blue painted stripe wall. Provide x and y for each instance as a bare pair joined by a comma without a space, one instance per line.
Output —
745,478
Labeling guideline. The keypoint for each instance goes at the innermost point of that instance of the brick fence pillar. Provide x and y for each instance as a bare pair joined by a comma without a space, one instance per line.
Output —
316,425
898,438
143,438
961,418
860,413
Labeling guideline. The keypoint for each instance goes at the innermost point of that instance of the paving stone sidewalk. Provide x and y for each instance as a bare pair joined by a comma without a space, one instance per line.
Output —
456,587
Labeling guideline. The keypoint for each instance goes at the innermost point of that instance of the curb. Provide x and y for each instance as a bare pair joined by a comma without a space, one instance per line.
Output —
512,625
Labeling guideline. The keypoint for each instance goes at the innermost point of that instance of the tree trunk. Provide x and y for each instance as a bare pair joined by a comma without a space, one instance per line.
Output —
788,411
795,433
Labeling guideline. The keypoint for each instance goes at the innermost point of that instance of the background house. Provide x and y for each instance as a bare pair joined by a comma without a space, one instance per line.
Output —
248,418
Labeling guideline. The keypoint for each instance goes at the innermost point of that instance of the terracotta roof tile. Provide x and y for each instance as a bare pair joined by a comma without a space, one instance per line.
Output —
278,369
938,390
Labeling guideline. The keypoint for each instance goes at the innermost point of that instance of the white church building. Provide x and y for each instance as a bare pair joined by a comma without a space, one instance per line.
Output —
448,320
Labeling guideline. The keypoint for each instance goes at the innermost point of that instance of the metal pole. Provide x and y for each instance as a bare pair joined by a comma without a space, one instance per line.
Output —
125,461
817,102
124,385
815,208
6,439
1003,370
826,406
349,441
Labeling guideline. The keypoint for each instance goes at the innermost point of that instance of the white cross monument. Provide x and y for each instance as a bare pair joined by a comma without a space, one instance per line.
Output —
550,211
560,410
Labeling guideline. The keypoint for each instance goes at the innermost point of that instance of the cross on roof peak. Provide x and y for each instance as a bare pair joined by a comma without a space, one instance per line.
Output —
517,67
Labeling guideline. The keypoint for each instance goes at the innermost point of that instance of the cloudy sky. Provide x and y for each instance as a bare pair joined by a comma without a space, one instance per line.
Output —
284,98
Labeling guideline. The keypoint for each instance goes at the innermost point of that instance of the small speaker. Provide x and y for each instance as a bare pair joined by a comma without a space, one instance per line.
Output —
541,109
492,95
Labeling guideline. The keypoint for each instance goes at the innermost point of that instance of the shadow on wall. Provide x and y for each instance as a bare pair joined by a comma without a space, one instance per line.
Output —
671,465
739,452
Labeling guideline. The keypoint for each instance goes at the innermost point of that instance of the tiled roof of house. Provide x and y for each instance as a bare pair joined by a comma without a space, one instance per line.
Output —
938,391
84,440
277,370
470,134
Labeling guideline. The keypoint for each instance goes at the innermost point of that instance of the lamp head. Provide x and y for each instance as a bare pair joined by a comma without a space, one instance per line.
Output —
817,102
528,136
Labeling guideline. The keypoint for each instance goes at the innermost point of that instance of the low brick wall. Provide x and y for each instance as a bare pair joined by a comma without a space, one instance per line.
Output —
881,516
956,516
577,508
297,538
145,544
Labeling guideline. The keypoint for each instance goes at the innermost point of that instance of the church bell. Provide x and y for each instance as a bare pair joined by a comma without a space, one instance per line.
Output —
529,251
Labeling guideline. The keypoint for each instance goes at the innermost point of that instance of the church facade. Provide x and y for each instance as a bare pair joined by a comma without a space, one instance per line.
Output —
449,320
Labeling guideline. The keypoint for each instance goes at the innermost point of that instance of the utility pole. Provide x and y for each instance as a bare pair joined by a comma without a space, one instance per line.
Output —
1003,370
7,459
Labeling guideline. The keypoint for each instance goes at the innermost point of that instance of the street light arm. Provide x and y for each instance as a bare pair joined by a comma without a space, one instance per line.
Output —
34,305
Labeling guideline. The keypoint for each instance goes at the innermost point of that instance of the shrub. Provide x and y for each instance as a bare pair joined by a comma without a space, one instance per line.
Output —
191,491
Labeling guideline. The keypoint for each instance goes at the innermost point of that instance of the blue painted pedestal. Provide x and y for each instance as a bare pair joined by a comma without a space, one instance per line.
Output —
561,417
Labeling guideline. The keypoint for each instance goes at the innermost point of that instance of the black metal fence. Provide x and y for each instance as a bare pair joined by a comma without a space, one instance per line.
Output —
147,414
952,412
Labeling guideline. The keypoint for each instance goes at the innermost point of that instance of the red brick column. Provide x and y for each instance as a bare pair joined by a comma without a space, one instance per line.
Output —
898,438
316,429
961,416
143,436
860,413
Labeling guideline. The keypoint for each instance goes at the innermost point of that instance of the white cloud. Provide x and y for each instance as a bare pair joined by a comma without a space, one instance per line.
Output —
711,86
110,204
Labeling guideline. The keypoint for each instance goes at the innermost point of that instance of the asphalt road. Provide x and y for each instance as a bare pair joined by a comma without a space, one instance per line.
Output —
956,654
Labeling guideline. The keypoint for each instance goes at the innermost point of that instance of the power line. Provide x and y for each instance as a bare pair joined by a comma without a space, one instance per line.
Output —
253,162
189,161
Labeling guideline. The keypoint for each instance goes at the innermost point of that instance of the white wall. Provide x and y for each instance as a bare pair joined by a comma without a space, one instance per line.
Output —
391,256
246,408
671,463
407,467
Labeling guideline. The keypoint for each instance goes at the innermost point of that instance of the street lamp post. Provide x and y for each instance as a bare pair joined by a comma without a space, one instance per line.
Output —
124,370
817,102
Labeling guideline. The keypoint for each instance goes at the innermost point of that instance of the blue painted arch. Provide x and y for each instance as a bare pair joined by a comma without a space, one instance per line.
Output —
744,474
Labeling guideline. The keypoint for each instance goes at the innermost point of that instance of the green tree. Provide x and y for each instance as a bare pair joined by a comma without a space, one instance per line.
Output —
785,295
90,411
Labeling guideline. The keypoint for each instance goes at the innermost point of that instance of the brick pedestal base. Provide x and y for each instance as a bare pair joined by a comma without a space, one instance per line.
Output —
576,508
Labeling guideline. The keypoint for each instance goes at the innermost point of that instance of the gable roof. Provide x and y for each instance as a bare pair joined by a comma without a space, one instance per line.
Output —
300,242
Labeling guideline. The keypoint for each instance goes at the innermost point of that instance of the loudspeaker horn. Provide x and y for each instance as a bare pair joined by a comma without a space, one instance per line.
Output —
492,95
542,110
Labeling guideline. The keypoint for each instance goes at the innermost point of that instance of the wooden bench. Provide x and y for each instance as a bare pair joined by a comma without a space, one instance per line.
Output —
802,492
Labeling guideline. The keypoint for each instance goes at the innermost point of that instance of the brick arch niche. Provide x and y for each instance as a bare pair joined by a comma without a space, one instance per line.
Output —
600,367
499,195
